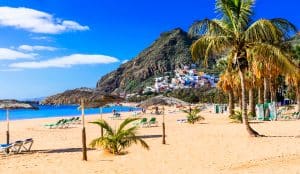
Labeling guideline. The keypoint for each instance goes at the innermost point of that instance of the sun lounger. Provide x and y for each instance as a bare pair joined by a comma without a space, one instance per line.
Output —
27,144
181,120
152,121
115,116
54,125
6,148
11,148
136,114
142,123
62,123
77,120
17,146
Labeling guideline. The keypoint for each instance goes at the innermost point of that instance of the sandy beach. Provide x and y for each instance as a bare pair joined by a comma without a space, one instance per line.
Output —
213,146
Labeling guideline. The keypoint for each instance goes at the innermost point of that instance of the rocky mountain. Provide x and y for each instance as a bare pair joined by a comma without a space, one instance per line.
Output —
92,97
169,51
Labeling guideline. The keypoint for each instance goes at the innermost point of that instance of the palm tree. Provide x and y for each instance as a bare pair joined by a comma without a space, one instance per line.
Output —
115,141
225,84
193,115
252,82
238,38
294,79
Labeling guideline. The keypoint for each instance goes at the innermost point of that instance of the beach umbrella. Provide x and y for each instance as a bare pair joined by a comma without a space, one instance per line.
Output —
164,101
11,105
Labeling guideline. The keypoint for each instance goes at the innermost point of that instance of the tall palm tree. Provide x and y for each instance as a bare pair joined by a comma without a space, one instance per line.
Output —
238,38
115,141
294,79
252,81
225,84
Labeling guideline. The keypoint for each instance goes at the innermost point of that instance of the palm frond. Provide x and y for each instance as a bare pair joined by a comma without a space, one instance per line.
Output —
144,144
126,122
104,125
274,55
207,46
236,12
285,26
116,141
208,27
96,142
264,30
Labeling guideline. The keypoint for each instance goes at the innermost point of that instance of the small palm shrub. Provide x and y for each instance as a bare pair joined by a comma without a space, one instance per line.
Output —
193,115
237,117
115,141
289,107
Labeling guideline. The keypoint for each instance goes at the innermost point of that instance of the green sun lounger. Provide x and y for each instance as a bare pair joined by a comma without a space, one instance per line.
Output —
152,121
62,123
143,122
54,125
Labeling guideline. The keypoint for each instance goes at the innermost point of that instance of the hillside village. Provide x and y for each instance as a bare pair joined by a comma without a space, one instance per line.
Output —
186,77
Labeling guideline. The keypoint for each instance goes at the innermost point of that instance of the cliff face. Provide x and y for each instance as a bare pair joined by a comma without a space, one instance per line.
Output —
169,51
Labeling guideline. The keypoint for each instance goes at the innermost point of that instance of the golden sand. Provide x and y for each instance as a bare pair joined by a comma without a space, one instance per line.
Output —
213,146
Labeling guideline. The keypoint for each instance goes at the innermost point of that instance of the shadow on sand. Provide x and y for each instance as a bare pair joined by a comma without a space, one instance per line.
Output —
274,136
150,136
65,150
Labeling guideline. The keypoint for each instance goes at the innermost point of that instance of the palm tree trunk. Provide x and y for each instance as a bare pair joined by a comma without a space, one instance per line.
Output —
298,98
240,103
84,149
266,90
231,102
261,94
251,102
251,131
273,91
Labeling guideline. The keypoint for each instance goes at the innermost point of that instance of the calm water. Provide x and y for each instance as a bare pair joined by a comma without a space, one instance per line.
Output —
46,111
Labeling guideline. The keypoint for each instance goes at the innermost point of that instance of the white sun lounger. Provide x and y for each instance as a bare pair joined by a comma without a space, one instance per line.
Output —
17,146
27,144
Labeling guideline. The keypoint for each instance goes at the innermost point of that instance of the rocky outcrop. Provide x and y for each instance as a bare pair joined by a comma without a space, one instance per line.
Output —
92,97
169,51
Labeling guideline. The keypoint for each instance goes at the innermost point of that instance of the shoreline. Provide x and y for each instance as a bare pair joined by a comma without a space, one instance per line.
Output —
71,115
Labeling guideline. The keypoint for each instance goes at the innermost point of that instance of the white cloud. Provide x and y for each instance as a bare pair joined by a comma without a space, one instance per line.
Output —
66,61
36,48
10,70
9,54
36,21
125,61
45,38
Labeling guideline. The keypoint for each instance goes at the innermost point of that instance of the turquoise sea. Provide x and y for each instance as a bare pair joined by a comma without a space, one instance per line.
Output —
46,111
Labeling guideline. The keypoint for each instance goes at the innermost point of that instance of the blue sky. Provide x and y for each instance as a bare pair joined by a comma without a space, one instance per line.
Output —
49,46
